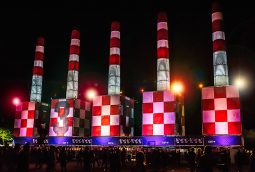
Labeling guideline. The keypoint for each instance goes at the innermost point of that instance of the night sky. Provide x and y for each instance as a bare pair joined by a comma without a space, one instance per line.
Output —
190,43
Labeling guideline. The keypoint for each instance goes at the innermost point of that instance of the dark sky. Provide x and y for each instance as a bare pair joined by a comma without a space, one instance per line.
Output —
190,49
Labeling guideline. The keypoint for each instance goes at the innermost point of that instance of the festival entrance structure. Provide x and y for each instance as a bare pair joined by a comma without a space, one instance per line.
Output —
109,119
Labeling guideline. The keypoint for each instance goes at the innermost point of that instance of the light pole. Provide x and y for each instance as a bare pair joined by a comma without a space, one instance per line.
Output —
241,84
177,89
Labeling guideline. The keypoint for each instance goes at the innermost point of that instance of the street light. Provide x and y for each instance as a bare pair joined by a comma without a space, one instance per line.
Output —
16,101
91,94
177,88
141,90
200,85
240,82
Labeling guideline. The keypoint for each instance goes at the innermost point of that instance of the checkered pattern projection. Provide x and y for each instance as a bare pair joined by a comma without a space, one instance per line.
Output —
112,115
221,111
27,113
69,117
158,113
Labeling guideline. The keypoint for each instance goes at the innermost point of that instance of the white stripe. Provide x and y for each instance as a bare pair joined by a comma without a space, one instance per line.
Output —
115,34
38,78
75,42
162,25
38,63
218,35
162,43
39,48
114,50
217,16
74,57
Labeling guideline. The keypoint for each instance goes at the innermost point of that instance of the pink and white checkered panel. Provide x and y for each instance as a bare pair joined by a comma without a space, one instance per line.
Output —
221,111
24,119
106,116
158,113
61,117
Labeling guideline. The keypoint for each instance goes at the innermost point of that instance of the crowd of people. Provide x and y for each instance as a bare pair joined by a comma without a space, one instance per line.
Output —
114,159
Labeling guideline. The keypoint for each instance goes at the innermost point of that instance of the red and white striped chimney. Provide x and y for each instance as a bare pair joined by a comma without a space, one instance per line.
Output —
114,61
219,47
36,89
163,72
73,66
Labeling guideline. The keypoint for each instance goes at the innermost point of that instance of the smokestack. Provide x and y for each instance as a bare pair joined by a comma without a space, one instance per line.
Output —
219,47
36,89
163,72
73,66
114,61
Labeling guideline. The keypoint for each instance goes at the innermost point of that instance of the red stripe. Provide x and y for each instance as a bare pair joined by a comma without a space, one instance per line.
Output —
114,42
163,52
75,34
115,26
217,25
74,49
39,56
40,41
162,34
73,65
219,45
114,59
37,70
162,17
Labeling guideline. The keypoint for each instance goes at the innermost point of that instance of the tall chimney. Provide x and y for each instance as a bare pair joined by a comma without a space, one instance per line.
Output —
73,66
114,61
163,72
219,47
36,89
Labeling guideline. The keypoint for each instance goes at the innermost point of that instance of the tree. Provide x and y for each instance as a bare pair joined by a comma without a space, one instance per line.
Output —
5,135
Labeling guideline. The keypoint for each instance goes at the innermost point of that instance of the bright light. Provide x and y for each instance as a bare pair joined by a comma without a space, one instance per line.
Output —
200,85
91,94
16,101
142,90
241,83
177,87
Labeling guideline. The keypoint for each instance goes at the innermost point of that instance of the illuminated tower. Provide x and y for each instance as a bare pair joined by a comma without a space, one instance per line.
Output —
163,111
220,103
113,114
31,117
73,66
36,90
71,116
219,47
163,73
114,61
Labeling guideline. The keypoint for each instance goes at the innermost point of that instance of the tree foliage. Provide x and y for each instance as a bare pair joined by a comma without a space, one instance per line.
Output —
5,135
